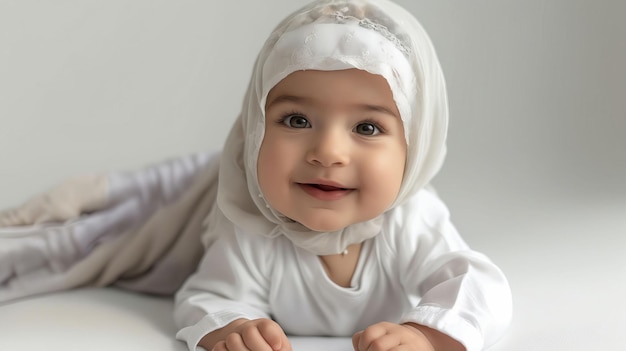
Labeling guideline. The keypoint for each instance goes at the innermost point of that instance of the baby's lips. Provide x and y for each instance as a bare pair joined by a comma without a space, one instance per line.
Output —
327,187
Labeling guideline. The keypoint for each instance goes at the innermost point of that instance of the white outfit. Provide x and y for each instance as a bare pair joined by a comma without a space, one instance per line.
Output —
417,269
413,266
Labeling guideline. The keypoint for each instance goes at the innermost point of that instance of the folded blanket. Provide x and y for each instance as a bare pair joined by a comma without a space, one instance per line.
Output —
140,230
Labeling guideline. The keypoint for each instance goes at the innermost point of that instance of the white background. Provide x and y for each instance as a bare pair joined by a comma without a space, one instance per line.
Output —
537,143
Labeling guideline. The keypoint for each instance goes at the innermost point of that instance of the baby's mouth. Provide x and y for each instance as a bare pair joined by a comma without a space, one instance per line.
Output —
325,192
324,187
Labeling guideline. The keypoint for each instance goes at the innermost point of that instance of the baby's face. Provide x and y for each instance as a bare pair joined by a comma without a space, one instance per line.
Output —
334,149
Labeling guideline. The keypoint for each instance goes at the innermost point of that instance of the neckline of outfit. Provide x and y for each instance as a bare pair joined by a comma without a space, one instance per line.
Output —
316,268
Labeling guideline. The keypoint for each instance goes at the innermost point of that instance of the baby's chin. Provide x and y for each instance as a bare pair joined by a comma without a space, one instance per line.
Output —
327,226
324,226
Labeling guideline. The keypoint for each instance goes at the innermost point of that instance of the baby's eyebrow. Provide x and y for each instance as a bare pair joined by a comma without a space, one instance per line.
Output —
288,98
378,108
304,100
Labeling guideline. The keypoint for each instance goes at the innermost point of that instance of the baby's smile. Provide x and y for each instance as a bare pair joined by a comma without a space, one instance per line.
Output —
325,191
327,187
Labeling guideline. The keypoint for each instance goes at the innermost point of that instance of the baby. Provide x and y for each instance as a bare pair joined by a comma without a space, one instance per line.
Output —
325,224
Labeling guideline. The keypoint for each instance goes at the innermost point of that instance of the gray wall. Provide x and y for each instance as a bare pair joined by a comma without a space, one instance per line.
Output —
537,91
536,88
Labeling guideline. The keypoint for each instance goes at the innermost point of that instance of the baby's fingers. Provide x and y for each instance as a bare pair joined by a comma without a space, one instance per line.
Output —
362,341
220,346
355,340
233,342
254,341
274,335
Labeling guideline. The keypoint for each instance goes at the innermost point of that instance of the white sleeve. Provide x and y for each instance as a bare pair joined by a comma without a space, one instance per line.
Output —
228,285
458,291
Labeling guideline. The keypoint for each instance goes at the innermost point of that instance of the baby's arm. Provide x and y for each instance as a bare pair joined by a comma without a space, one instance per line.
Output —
386,336
230,287
243,334
455,290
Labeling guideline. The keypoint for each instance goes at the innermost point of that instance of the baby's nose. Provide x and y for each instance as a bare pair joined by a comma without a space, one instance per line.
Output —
330,148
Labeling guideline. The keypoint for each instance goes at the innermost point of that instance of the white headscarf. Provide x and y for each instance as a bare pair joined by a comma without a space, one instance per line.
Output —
377,36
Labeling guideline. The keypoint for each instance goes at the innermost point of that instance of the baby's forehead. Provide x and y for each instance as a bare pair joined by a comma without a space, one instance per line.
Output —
349,87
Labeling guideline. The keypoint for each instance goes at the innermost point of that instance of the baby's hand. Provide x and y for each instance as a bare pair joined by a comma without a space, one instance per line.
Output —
254,335
387,336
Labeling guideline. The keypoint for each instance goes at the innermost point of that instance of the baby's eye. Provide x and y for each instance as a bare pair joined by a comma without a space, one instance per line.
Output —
367,129
296,121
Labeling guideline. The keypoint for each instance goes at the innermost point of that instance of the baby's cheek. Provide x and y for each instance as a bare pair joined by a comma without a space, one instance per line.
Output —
264,168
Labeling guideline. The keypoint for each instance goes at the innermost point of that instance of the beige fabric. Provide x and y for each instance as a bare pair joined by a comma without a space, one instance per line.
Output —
158,256
66,201
150,252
